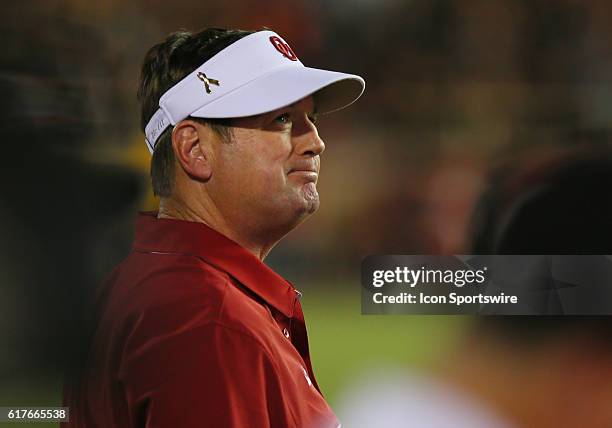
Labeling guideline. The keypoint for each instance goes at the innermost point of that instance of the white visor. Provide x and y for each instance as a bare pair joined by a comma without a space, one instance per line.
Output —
254,75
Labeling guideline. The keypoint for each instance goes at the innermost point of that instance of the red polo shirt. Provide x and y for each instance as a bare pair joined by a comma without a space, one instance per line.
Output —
195,331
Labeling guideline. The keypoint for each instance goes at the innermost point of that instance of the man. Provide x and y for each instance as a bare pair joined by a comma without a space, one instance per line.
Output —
193,329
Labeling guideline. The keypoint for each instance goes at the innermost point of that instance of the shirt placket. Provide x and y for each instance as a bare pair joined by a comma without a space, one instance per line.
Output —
299,336
294,329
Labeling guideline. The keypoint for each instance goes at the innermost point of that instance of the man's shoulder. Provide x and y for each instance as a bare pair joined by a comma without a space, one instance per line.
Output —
153,281
177,289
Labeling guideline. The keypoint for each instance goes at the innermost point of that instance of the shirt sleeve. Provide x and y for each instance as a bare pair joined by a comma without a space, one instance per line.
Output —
185,374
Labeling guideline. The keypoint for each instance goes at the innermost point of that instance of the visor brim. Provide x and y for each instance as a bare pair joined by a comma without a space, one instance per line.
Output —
332,91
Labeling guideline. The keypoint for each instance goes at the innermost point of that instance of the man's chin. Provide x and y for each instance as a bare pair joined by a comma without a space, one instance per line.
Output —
311,197
300,204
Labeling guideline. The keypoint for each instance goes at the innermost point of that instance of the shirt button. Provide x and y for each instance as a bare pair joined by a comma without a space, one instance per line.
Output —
286,333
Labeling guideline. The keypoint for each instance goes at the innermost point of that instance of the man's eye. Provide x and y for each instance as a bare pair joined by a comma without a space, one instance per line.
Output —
283,118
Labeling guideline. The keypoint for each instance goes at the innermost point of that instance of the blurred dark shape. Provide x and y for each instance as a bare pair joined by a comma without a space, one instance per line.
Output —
559,205
556,204
543,371
58,210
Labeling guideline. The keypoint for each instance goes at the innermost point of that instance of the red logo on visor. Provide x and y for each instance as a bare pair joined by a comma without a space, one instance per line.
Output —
283,48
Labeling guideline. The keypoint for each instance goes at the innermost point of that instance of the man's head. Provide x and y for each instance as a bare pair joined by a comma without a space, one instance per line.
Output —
262,179
230,119
166,64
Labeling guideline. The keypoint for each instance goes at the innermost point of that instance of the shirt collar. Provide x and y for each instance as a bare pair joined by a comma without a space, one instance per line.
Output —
186,237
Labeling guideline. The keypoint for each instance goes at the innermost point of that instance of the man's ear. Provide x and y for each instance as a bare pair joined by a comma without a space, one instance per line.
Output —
192,144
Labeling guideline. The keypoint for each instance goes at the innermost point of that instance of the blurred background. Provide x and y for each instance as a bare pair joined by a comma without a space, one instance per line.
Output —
463,98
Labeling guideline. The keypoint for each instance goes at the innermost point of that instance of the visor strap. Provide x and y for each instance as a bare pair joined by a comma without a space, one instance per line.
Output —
156,126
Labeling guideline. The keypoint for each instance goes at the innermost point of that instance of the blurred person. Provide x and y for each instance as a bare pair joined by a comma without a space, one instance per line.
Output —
546,371
193,329
552,203
517,371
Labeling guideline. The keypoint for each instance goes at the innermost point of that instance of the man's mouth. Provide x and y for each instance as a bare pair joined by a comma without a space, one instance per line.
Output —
307,174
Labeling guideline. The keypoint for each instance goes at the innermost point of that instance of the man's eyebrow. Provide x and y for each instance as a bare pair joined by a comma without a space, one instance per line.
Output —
273,113
314,104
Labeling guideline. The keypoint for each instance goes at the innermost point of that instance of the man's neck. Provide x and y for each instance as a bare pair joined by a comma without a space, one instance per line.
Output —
179,210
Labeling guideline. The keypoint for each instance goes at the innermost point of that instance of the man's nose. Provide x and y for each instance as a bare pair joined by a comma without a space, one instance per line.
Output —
308,142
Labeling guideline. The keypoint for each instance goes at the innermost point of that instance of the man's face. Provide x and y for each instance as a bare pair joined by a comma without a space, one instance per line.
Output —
265,178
